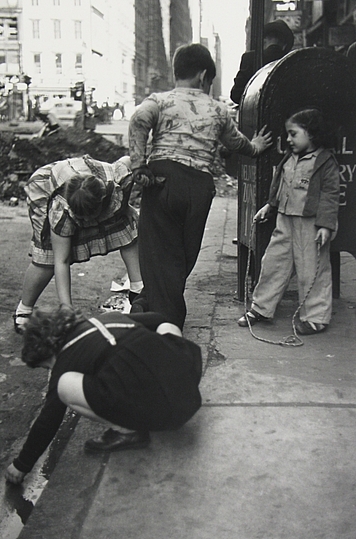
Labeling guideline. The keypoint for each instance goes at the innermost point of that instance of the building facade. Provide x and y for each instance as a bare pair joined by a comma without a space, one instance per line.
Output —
120,50
317,23
61,42
160,27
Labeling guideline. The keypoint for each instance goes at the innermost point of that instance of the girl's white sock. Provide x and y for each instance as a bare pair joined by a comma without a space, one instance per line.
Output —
23,309
136,287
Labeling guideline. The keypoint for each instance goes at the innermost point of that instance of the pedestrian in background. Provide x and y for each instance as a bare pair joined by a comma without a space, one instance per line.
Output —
132,371
187,126
278,41
79,208
305,193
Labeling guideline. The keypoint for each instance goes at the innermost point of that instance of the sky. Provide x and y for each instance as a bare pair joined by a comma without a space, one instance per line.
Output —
228,19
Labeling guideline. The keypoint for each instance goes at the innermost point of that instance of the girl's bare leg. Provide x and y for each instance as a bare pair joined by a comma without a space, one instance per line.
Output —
35,281
129,255
70,391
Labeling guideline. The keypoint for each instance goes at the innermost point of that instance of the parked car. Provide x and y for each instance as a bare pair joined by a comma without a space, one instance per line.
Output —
65,111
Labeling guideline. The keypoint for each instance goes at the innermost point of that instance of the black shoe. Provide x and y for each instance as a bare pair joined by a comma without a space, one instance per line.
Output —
253,317
310,328
139,305
114,440
132,296
20,328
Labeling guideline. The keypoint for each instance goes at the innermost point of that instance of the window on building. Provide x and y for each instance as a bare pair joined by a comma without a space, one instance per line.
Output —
57,28
2,28
37,62
2,58
124,87
79,63
139,69
77,2
56,2
13,57
58,63
78,29
12,29
35,2
36,29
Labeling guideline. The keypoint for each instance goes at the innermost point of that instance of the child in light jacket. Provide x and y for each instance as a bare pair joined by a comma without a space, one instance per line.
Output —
305,193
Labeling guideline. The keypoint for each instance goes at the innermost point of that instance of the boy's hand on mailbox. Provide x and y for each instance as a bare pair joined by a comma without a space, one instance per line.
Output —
262,140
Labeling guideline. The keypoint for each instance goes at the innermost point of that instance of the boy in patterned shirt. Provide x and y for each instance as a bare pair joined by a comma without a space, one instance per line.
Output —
178,188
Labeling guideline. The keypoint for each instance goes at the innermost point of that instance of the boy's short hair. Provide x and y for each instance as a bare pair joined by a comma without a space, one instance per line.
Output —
188,60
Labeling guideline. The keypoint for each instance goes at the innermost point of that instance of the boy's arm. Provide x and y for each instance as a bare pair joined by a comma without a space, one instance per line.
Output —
142,121
233,139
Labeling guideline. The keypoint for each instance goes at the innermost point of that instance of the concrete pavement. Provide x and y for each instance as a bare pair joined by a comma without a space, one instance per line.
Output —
270,455
116,131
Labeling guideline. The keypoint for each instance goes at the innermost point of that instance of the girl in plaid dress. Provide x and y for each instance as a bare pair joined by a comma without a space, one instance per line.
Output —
78,208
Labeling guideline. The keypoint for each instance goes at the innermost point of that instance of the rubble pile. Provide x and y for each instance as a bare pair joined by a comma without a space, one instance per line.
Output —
19,158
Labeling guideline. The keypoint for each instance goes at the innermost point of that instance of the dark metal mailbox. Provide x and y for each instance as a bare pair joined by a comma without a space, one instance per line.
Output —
305,77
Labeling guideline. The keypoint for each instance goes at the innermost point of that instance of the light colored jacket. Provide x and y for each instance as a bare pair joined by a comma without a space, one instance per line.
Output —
323,193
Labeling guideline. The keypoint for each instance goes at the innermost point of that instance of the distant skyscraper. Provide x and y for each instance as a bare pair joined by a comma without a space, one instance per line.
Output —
181,24
160,27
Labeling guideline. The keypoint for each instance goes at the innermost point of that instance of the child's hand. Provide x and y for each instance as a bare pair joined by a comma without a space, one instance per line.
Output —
13,475
262,141
262,214
322,236
143,176
132,216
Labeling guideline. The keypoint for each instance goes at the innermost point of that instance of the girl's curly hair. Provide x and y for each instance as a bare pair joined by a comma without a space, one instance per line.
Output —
46,332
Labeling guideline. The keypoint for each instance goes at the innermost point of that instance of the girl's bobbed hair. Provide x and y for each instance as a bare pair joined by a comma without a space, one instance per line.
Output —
84,194
46,332
310,119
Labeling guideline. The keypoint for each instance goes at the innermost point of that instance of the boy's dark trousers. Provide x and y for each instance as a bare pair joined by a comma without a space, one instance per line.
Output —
171,227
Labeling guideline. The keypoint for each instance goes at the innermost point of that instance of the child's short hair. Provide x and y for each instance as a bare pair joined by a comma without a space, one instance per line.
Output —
188,60
310,119
84,194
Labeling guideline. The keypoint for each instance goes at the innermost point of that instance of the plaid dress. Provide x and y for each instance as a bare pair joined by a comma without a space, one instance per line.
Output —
49,210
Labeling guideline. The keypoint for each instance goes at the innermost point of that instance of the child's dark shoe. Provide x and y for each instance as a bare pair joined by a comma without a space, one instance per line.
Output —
19,323
309,328
139,305
253,317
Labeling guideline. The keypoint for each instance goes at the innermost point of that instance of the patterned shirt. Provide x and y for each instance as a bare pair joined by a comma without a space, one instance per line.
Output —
187,126
46,181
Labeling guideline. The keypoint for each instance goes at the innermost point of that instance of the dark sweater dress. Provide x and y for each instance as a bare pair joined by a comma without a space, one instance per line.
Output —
145,381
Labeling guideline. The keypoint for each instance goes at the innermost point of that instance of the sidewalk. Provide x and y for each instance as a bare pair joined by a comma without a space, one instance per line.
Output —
116,131
269,456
